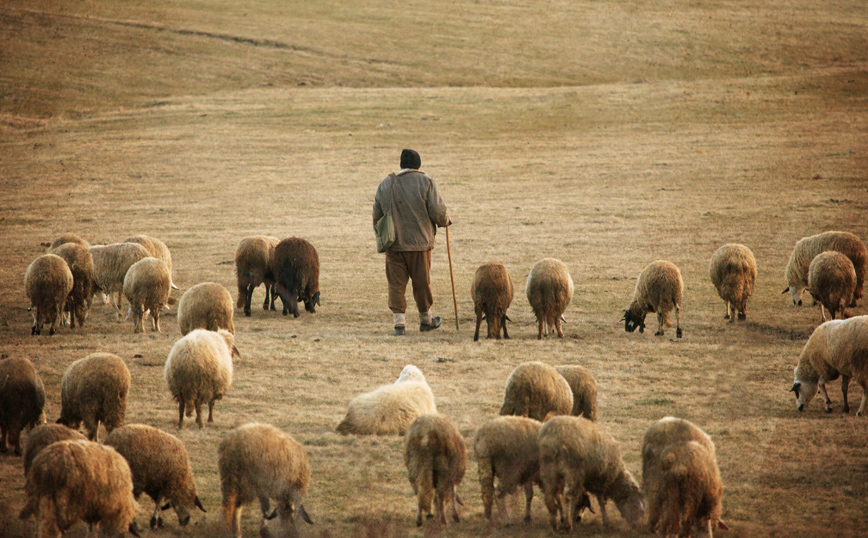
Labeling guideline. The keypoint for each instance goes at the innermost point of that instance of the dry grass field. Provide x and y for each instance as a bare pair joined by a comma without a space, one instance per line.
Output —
605,134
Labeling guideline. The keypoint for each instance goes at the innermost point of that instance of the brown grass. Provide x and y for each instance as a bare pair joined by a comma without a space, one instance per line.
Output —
606,135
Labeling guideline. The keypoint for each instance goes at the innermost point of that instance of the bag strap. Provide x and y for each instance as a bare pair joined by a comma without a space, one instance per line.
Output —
392,177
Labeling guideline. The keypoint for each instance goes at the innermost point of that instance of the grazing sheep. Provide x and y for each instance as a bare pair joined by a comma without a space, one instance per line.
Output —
161,468
71,481
258,461
436,460
832,281
492,294
146,287
658,289
68,238
110,266
549,291
733,272
156,249
835,348
80,264
296,274
22,399
254,262
94,390
206,306
44,435
584,388
199,370
47,284
534,390
390,409
809,247
577,454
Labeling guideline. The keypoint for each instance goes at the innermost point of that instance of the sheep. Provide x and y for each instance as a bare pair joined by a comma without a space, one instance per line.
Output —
390,409
835,348
534,390
198,370
832,282
733,273
492,293
206,306
584,389
161,468
658,289
110,266
156,249
94,390
259,461
47,283
296,274
549,291
146,287
76,480
22,400
80,264
436,460
44,435
807,249
577,454
254,261
68,238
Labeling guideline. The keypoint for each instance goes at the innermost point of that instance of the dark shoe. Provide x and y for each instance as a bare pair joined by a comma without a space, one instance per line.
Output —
435,323
399,331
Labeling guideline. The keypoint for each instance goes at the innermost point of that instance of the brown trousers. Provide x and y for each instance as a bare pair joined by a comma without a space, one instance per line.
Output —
401,266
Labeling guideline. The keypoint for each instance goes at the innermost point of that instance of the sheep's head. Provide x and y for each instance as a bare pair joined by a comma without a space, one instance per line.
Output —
289,513
632,508
795,293
804,389
312,302
410,373
633,321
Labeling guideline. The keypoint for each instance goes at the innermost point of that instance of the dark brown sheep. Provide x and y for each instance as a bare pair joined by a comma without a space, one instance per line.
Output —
80,263
254,261
47,283
42,436
296,274
22,398
492,293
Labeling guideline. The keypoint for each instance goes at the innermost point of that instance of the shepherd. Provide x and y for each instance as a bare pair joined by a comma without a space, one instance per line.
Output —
416,210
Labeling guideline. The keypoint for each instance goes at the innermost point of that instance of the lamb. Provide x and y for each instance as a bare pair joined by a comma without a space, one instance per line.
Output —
577,454
658,289
492,293
390,409
146,287
680,479
156,249
807,249
549,291
535,390
832,282
161,468
47,283
68,238
44,435
584,389
296,274
22,400
254,261
733,272
80,264
835,348
258,461
199,370
206,306
436,460
110,266
74,480
94,390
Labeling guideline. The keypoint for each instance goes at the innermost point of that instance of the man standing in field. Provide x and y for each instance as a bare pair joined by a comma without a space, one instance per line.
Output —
417,210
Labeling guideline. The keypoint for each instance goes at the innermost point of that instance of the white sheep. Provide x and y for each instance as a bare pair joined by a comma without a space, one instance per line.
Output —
835,348
584,389
535,390
206,306
157,249
806,250
733,273
254,261
22,400
110,266
47,283
259,461
658,289
198,370
94,390
549,290
832,282
146,287
436,460
390,409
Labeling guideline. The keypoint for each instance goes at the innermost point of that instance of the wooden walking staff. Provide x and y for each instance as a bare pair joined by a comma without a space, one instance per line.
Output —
452,277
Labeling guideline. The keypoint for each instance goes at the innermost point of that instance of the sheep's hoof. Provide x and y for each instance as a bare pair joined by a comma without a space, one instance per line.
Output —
641,329
658,333
153,523
726,316
742,317
51,331
846,410
829,409
33,331
678,333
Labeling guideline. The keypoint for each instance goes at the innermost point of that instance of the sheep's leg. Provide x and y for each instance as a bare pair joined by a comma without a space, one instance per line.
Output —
558,327
454,499
553,503
541,331
822,312
199,415
478,325
864,386
232,513
503,321
181,406
678,333
92,427
37,328
743,312
486,484
439,502
264,505
3,431
727,316
157,518
211,412
602,502
267,294
845,385
119,304
528,499
661,320
826,400
248,299
55,313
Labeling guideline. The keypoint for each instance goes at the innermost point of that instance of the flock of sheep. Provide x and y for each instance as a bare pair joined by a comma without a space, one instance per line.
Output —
547,434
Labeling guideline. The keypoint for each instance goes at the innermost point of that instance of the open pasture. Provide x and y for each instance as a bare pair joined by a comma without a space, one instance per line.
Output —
606,135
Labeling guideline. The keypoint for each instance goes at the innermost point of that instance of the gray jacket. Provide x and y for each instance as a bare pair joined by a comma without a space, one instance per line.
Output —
417,209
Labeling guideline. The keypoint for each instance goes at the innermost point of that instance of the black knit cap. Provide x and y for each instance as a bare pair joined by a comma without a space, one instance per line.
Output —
410,159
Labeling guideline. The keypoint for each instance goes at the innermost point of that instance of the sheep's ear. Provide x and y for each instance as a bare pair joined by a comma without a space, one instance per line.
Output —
134,528
505,317
624,317
786,290
721,525
795,388
198,504
237,354
315,299
303,513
